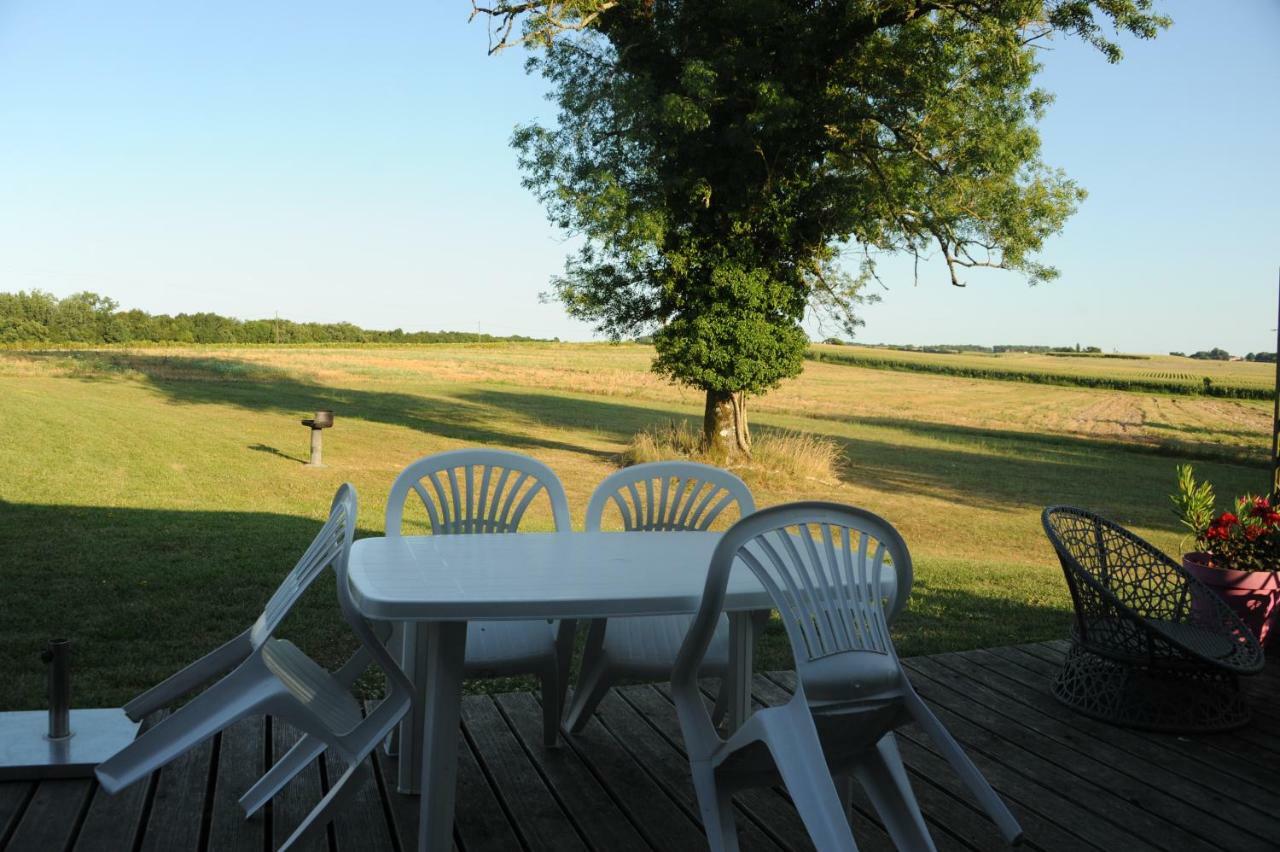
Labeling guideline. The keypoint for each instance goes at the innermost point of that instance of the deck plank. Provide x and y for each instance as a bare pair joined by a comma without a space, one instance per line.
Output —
773,813
769,808
930,769
52,816
580,793
403,810
112,822
1146,757
534,810
1221,750
176,819
661,822
952,825
14,796
945,798
241,762
666,765
1144,804
479,824
1019,790
299,797
362,822
1075,784
1131,826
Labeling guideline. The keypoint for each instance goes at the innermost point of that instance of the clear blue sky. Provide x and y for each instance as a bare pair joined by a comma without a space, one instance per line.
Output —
343,161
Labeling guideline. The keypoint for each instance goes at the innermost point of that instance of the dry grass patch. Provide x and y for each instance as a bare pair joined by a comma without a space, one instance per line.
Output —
780,459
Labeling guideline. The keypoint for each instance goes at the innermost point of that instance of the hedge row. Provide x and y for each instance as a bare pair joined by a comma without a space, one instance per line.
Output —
1141,385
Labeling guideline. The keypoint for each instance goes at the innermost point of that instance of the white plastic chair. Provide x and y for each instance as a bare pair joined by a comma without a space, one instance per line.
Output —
660,496
270,676
822,564
489,491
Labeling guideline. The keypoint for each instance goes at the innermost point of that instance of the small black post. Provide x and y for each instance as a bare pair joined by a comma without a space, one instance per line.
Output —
322,420
58,657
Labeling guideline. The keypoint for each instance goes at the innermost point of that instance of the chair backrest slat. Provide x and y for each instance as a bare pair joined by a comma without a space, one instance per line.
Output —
826,585
669,496
499,488
822,565
462,499
320,554
834,597
843,600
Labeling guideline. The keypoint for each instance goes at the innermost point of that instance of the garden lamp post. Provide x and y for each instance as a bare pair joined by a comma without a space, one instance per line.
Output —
323,420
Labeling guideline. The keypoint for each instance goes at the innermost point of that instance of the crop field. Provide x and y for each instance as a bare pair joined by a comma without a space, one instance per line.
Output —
1152,373
151,499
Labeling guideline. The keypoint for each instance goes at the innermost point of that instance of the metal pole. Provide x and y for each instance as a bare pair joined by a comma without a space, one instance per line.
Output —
315,446
1275,412
58,658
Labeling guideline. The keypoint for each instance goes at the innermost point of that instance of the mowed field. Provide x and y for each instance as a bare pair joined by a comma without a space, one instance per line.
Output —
151,499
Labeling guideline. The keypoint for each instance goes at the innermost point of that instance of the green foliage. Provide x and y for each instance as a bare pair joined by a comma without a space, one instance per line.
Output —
39,317
718,157
1151,383
1245,539
1193,501
1095,352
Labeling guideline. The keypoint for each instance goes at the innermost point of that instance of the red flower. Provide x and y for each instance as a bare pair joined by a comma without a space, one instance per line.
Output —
1227,519
1217,531
1271,517
1252,533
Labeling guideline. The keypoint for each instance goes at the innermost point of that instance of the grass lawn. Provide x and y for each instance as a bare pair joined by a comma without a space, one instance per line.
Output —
151,499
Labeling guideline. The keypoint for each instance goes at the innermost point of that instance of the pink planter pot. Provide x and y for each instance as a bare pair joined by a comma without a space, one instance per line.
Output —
1252,595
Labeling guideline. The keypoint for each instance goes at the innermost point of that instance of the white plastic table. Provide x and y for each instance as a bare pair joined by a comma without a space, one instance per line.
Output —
442,582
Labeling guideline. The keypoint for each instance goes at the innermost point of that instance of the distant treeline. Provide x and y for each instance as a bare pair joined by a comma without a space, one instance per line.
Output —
39,317
1141,384
1218,354
1077,351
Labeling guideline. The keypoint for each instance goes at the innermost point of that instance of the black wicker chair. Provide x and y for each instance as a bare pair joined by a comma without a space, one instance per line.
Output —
1152,647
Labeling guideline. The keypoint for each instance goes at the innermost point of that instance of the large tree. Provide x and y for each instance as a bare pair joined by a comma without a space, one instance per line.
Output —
720,159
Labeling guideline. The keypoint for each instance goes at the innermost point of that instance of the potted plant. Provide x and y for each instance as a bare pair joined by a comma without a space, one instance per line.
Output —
1237,552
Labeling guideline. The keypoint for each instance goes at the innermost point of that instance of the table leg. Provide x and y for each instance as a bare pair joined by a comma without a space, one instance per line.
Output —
445,652
741,649
413,661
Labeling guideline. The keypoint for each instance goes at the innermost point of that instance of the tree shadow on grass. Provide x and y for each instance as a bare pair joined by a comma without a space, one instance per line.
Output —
141,593
990,469
228,381
1010,470
614,419
941,618
276,451
1195,451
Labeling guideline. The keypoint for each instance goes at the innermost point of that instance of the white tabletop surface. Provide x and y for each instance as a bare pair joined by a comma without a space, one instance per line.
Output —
539,575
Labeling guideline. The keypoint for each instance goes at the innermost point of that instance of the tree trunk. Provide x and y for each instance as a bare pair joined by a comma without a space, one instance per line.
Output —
724,425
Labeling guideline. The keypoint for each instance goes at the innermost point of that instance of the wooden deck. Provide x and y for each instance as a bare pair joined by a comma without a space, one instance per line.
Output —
623,783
